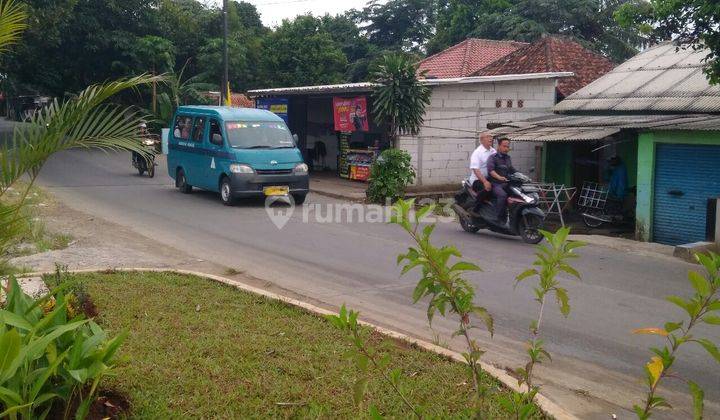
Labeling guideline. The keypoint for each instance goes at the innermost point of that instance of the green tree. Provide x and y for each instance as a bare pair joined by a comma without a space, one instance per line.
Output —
84,121
589,21
687,22
400,99
356,47
299,52
398,24
188,24
244,52
154,54
72,43
457,19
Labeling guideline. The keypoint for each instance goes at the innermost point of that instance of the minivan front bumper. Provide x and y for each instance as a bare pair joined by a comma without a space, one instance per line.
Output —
251,185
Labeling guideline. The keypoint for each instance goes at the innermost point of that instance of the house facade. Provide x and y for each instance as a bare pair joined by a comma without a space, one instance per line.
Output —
658,112
461,108
538,75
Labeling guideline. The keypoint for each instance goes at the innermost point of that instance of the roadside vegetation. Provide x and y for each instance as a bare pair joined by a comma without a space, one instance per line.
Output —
34,237
443,286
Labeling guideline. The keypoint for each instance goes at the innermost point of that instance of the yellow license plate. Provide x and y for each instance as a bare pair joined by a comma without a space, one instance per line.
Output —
274,191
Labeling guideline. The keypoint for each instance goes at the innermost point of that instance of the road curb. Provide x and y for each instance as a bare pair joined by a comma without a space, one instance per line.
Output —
546,405
338,196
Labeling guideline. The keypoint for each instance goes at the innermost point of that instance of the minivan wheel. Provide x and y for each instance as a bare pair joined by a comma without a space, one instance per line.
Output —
181,182
226,192
299,199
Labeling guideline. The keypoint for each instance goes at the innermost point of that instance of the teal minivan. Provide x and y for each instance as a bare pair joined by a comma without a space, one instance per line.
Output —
238,152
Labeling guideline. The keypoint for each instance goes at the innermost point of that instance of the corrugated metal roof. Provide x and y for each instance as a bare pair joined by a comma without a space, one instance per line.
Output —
557,127
299,90
368,87
658,79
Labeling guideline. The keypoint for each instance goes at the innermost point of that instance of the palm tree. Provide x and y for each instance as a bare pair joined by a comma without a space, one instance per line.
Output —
12,23
84,121
180,92
399,99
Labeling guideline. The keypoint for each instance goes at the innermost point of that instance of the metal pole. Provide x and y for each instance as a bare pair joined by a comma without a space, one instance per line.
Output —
224,87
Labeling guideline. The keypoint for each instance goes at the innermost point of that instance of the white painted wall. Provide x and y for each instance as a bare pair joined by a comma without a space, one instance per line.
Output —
458,113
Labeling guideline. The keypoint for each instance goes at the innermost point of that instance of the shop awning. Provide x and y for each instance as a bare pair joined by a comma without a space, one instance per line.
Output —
318,89
557,127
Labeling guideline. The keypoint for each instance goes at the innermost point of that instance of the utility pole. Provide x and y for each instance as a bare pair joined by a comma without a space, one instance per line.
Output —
224,87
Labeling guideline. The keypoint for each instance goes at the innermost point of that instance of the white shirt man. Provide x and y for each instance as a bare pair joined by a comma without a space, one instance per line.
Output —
479,159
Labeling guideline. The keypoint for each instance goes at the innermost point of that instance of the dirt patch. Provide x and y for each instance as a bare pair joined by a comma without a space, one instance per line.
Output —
109,404
101,244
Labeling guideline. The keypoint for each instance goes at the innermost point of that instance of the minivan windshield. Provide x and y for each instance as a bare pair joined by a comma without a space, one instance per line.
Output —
258,135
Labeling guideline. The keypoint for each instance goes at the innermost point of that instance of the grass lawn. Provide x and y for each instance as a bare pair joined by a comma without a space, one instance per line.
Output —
201,349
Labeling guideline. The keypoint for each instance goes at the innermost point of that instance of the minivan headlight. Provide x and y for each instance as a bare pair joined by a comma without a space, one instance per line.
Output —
239,168
301,168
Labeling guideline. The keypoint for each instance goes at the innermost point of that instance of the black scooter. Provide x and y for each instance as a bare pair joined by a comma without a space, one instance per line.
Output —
146,165
525,218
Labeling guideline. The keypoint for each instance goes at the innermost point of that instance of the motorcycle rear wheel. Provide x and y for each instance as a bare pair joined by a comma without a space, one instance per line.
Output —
529,228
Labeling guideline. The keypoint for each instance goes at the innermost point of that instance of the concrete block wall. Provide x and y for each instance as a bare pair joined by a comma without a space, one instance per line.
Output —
458,113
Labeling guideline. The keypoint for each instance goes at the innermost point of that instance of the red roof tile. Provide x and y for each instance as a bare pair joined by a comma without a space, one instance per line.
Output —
467,57
553,54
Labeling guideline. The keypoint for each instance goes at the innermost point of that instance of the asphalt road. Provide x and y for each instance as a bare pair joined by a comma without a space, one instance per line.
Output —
597,362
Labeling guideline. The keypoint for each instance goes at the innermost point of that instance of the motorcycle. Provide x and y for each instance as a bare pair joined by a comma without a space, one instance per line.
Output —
525,218
146,165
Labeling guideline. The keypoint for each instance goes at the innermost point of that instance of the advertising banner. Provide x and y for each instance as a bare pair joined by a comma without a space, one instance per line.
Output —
350,114
278,106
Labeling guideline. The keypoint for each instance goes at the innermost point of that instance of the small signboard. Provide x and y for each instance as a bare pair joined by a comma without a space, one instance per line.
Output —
278,106
342,157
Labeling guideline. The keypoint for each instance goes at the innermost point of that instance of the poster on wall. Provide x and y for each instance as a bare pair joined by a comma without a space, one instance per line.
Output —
350,114
278,106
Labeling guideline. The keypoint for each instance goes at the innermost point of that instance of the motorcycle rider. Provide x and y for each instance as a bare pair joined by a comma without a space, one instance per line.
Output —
478,168
142,134
499,167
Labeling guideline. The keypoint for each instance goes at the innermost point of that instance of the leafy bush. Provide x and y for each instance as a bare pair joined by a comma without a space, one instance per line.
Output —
400,98
389,176
49,358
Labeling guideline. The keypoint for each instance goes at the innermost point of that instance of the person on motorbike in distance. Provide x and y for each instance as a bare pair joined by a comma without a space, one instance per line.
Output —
500,167
143,132
479,178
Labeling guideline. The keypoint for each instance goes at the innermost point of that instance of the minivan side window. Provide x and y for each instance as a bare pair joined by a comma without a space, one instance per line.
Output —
182,127
199,129
215,129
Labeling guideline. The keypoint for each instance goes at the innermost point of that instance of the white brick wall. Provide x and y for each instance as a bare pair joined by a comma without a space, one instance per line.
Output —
458,113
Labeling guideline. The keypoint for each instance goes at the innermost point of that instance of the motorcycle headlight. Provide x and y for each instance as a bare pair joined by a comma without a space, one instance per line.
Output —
239,168
148,142
530,199
300,169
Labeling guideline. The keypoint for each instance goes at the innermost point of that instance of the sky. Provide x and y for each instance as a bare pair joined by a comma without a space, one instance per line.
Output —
273,12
